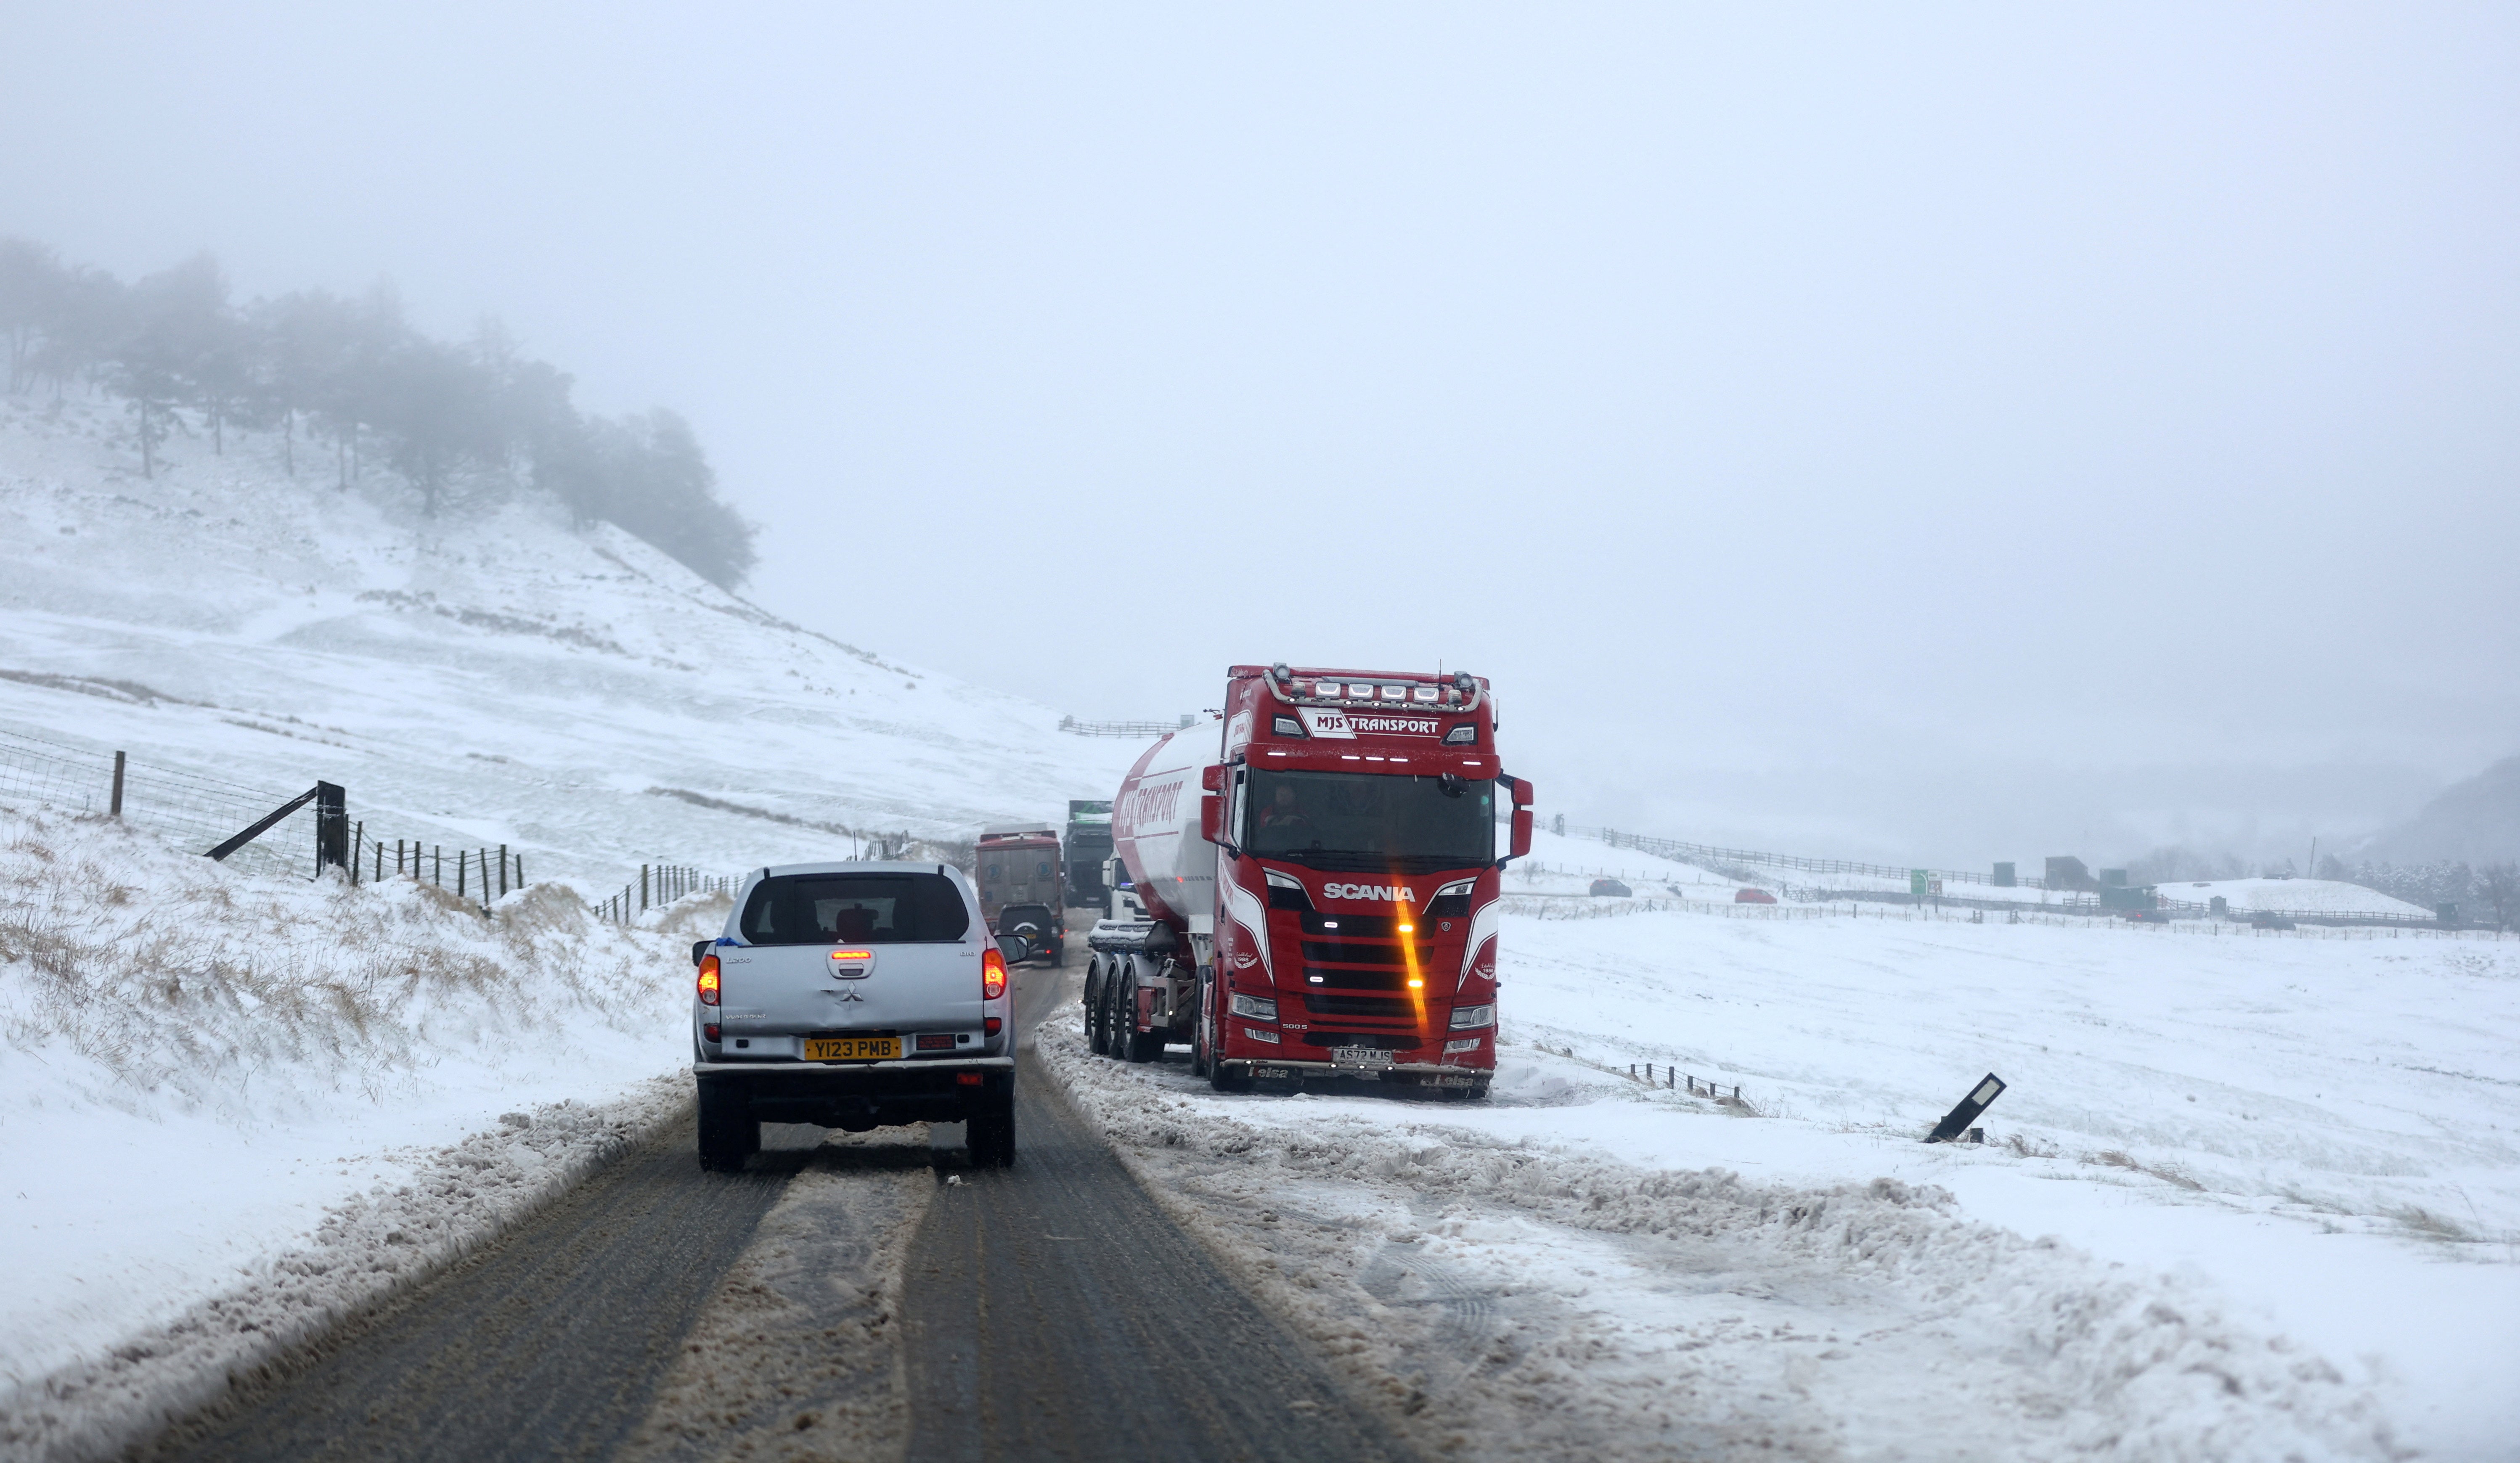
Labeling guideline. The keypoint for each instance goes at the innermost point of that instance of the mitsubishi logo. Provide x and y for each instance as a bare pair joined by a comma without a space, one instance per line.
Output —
848,992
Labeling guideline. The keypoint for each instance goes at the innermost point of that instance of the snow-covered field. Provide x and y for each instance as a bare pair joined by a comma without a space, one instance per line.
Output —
2294,897
2248,1195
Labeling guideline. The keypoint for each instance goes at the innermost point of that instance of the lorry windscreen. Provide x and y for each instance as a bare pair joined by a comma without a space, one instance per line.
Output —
1363,820
854,908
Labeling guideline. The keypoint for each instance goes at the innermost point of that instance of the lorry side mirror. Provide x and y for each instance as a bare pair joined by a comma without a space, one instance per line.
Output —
1211,816
1521,833
1522,792
1212,777
700,948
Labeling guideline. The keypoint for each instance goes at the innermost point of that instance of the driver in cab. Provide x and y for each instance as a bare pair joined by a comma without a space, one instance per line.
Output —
1284,812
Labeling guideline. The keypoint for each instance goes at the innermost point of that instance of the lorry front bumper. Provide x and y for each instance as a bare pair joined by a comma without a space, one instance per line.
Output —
859,1095
1426,1075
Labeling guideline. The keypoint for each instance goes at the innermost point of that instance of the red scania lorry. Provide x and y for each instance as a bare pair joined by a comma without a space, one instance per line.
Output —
1319,876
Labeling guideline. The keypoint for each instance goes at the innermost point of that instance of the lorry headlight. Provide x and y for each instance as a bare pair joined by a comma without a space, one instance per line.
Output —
1462,735
1257,1034
1472,1018
1255,1007
1465,1044
1287,726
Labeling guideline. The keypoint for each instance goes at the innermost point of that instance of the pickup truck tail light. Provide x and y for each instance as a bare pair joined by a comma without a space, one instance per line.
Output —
708,980
993,976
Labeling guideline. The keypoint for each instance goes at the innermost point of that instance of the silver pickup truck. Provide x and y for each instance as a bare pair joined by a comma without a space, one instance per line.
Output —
853,995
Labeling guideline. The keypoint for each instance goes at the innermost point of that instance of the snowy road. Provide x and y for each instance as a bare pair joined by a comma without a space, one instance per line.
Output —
859,1296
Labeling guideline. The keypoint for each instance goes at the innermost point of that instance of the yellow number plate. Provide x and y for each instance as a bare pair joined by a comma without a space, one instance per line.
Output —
853,1050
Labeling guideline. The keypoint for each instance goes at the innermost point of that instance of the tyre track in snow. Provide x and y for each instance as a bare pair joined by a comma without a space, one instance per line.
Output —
1055,1311
549,1345
1050,1311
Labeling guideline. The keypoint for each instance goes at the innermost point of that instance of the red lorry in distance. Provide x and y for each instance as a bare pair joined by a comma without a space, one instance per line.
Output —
1320,875
1016,867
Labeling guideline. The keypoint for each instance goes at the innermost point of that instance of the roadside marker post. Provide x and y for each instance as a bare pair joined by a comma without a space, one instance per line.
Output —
1958,1120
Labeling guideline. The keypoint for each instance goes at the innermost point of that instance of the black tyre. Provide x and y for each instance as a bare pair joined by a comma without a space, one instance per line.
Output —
728,1132
1095,1039
989,1134
1117,1019
1204,1043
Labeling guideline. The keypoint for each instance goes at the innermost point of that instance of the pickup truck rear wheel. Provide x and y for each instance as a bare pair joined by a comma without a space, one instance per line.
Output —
727,1130
989,1134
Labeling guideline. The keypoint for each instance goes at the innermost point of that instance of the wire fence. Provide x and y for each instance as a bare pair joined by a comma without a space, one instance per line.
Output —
660,885
204,813
1071,724
2077,902
184,807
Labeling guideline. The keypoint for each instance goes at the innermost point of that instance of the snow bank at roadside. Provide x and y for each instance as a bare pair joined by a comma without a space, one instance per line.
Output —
1569,1302
236,1108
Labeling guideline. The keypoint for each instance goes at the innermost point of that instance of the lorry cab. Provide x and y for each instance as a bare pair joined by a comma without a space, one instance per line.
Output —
1333,865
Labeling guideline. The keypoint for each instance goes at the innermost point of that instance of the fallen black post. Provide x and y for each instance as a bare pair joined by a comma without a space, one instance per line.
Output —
264,823
1956,1121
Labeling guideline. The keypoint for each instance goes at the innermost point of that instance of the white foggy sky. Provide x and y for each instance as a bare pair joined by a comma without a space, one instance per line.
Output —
1959,433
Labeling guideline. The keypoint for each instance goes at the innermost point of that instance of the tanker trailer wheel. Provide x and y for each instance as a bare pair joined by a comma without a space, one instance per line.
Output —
1115,1025
1135,1046
1094,1040
1202,1040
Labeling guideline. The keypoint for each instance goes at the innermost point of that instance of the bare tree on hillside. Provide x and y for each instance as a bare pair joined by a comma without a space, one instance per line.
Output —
31,280
437,410
302,345
2498,885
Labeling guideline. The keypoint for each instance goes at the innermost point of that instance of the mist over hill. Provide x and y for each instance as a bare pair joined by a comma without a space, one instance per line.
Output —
2476,821
454,424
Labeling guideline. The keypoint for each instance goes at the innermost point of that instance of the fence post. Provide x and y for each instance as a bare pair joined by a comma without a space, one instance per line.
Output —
358,840
521,870
643,888
117,809
503,871
332,828
436,865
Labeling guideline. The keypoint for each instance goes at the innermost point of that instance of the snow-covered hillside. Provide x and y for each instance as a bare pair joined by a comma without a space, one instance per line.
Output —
491,676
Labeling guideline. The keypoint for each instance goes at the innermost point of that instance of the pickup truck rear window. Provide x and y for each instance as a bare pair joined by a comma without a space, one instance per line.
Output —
854,908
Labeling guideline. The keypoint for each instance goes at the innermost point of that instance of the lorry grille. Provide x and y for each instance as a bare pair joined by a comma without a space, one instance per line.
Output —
1387,978
1358,926
1384,1039
1351,952
1383,1006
